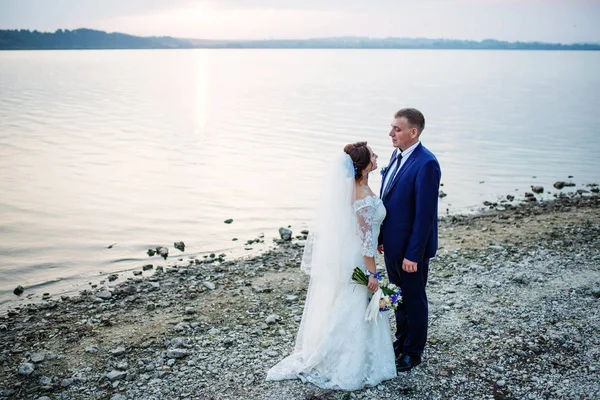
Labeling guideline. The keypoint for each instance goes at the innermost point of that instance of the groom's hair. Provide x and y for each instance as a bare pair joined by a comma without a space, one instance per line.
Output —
414,117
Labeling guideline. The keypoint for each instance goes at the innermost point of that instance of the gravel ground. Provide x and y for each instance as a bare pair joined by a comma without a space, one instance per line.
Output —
514,314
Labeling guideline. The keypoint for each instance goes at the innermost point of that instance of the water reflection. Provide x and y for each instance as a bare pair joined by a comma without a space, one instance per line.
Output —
146,148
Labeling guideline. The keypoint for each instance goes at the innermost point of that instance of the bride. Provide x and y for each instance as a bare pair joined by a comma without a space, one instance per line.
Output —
336,348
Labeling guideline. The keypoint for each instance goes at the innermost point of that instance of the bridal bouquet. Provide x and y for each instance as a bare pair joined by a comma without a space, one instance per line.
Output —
388,295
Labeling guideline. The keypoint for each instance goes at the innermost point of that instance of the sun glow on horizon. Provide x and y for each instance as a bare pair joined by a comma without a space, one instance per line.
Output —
211,19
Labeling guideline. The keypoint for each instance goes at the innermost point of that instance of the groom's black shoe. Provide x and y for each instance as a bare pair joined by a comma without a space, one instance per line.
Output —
398,348
406,362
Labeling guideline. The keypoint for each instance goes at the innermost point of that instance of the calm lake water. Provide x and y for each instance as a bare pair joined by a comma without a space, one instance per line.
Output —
148,147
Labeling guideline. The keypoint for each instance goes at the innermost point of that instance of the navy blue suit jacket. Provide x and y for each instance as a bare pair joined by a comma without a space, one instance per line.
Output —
410,228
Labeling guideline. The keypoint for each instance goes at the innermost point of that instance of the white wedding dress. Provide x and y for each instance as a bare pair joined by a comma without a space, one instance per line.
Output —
335,347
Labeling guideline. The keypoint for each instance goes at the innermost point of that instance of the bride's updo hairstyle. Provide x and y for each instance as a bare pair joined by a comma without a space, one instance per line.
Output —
360,155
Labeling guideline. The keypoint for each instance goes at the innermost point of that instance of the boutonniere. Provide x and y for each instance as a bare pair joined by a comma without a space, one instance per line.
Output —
384,170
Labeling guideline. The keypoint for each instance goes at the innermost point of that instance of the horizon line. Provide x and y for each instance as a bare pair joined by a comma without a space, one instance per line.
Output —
306,38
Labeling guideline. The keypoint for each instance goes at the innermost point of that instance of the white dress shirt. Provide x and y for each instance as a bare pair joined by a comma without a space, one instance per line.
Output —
405,154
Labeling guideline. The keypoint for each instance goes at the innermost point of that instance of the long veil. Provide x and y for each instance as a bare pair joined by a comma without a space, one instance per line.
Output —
330,346
331,253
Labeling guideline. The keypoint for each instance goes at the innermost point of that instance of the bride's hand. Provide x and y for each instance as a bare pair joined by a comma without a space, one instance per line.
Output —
373,284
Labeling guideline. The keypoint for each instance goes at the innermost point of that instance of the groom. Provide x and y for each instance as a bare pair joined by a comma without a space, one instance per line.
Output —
409,233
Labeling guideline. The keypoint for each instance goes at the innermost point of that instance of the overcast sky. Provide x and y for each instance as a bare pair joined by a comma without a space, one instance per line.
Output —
527,20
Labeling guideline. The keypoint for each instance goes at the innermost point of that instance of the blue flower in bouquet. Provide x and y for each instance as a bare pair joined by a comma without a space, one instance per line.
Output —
391,294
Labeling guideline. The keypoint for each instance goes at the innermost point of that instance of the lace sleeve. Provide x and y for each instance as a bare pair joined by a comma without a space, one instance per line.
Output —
364,215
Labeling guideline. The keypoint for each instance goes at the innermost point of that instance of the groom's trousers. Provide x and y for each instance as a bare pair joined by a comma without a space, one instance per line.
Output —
412,314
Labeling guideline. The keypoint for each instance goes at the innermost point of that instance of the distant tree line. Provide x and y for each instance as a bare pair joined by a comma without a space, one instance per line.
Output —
23,39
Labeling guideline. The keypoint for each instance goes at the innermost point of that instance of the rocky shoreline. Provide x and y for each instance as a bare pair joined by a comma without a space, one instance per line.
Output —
515,314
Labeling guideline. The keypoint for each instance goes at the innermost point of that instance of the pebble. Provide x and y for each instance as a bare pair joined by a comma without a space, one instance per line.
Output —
38,357
291,299
182,326
177,353
26,369
236,335
209,285
115,375
44,381
106,295
119,351
67,382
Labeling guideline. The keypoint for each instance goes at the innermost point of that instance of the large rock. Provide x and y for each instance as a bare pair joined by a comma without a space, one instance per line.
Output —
559,185
19,290
179,246
537,189
163,252
285,234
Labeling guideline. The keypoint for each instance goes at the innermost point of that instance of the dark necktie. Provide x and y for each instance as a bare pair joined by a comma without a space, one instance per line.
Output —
392,172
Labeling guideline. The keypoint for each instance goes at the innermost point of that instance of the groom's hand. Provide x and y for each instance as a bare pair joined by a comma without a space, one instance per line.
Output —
409,266
380,249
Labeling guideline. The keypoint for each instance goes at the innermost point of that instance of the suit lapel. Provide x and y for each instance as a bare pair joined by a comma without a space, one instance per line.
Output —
415,154
387,171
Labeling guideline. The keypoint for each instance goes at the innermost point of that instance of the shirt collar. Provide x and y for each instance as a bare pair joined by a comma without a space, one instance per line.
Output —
409,151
